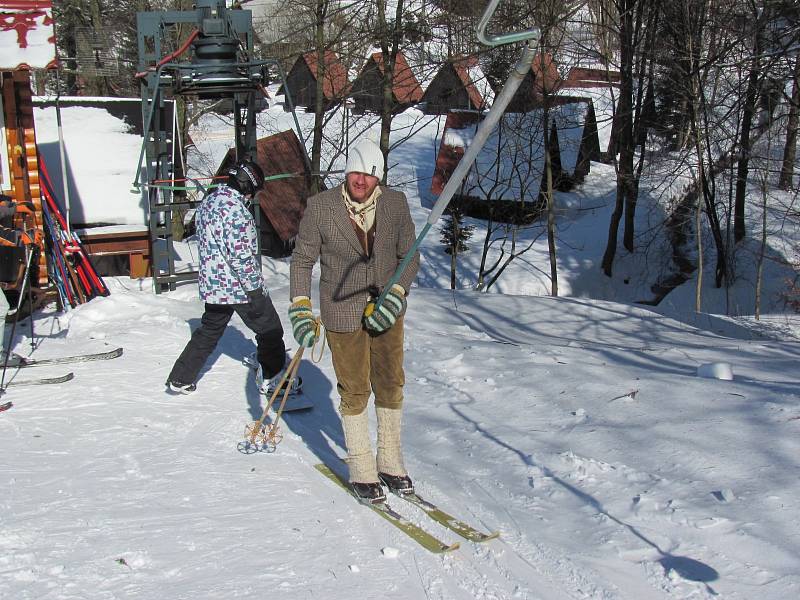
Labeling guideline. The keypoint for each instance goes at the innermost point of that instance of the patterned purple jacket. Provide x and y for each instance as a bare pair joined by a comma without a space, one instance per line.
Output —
229,262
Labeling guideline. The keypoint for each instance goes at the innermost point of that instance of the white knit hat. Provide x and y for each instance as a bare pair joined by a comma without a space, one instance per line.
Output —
367,158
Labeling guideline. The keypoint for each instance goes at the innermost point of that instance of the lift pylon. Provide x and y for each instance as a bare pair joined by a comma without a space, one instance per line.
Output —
213,61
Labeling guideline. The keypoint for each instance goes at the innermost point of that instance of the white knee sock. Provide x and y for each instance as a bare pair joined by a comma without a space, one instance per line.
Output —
360,458
390,453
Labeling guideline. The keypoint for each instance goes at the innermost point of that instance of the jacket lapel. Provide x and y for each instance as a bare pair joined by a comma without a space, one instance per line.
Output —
382,215
342,221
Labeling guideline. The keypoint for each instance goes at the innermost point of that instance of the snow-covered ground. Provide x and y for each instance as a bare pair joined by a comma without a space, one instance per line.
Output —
578,427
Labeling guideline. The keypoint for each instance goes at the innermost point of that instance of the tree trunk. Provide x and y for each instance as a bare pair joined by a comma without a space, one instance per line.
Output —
551,216
453,254
763,249
790,150
319,105
698,225
743,164
389,49
613,229
643,65
624,119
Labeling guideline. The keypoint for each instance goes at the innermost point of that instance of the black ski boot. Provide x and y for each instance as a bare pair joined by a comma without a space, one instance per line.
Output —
369,493
178,387
397,484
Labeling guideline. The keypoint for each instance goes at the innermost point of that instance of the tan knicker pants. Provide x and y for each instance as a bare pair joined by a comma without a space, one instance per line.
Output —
365,362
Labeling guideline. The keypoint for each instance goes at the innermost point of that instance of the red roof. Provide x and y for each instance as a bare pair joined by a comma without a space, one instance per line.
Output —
282,200
336,84
26,4
449,156
584,77
546,76
406,87
461,67
26,35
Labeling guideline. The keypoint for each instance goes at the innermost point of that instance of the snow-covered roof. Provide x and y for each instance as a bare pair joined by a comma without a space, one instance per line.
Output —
481,83
604,100
508,167
570,121
102,157
26,34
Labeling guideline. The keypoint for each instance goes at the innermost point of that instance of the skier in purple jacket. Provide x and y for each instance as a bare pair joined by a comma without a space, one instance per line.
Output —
231,282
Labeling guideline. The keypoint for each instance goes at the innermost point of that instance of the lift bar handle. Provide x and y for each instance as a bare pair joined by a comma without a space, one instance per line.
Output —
503,38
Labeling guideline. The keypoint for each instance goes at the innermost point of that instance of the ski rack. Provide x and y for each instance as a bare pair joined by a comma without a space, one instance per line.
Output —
530,37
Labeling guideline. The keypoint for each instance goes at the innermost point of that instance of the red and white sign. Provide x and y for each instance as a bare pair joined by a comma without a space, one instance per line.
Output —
27,39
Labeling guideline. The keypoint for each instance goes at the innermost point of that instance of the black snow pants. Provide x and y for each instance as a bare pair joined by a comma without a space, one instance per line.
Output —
271,351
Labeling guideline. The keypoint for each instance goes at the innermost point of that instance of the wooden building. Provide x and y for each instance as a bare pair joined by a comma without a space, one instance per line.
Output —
459,84
543,78
506,180
286,188
602,86
508,177
19,175
27,42
588,77
367,90
301,82
111,221
574,119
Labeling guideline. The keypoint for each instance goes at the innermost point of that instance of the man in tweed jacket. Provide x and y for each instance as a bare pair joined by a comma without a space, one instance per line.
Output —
230,280
360,232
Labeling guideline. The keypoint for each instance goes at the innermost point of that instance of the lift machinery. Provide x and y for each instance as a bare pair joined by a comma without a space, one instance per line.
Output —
213,61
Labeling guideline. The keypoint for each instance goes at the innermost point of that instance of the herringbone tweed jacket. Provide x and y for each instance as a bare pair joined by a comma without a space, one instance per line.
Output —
327,234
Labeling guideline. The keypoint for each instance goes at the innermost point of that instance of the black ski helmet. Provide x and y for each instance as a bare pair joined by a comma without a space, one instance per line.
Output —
246,177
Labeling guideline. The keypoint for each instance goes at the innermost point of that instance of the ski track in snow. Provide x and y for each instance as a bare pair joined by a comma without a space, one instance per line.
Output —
658,556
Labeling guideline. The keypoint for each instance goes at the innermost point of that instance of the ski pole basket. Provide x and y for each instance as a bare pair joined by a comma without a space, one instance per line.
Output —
261,437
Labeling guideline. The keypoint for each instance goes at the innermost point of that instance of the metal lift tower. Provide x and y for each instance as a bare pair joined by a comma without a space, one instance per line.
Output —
219,48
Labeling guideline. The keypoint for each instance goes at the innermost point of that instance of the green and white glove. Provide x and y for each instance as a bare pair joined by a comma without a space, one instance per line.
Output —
304,326
382,318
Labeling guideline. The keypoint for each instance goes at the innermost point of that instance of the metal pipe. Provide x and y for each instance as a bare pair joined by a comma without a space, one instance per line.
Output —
505,38
454,183
61,151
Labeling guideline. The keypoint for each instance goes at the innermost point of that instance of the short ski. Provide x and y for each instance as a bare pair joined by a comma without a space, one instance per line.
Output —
295,401
43,381
5,406
32,362
415,532
449,521
452,523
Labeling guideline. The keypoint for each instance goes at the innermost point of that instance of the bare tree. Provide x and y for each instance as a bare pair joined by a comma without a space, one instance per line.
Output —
790,148
550,17
637,22
390,36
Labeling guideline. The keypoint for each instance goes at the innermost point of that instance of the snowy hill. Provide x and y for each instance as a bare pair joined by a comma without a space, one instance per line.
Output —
578,429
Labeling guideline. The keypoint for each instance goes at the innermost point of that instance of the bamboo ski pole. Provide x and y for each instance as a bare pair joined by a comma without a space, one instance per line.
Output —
7,354
257,431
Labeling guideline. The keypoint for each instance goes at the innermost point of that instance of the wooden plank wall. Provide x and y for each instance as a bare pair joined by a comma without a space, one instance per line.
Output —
24,164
